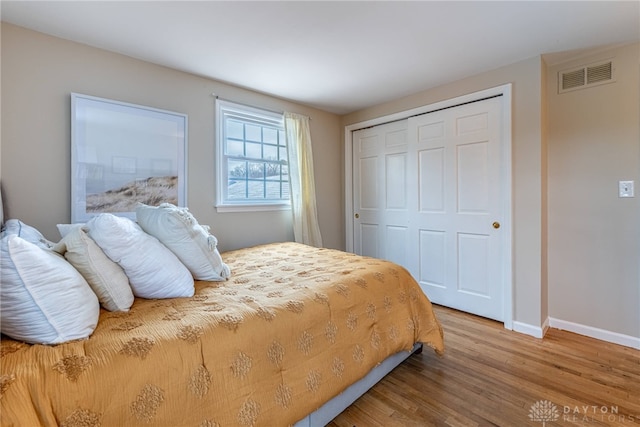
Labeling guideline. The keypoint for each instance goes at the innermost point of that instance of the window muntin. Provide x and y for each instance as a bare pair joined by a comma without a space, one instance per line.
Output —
252,158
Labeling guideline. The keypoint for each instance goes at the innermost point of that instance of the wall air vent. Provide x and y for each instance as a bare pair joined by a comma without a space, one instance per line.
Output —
573,79
586,76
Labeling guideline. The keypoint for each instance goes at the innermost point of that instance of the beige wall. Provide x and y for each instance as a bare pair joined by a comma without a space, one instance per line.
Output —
528,164
38,74
594,236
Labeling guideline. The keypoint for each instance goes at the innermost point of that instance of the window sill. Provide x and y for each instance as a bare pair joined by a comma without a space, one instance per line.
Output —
251,208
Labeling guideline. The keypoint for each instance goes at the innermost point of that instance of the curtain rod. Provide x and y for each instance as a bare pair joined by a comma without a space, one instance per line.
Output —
216,96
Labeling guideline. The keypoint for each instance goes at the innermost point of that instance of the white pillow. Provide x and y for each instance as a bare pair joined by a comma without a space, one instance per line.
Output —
178,230
153,270
65,229
27,232
43,299
106,278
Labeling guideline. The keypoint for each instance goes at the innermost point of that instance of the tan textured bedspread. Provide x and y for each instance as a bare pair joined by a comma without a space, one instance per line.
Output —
292,328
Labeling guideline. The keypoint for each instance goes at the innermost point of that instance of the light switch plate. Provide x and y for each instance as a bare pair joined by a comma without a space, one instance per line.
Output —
625,189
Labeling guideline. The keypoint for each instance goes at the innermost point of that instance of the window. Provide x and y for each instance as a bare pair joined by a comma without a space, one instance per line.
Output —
253,172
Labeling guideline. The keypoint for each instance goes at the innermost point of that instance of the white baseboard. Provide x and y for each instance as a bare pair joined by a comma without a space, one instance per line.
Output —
534,331
601,334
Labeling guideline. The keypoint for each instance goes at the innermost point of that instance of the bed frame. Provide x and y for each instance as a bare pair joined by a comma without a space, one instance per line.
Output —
327,412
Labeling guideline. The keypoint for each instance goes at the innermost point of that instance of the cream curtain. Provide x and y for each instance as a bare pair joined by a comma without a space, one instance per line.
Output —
303,189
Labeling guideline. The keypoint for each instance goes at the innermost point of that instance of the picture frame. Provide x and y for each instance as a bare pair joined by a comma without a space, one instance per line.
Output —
123,154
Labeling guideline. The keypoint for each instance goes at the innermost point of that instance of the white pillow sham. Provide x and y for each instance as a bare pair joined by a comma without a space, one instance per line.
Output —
106,278
43,299
191,242
27,232
65,229
153,270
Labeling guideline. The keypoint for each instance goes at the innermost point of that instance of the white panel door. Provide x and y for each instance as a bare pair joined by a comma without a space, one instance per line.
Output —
456,208
380,194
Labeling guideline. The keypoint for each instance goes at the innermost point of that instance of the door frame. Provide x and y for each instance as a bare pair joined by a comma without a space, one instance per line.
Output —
506,177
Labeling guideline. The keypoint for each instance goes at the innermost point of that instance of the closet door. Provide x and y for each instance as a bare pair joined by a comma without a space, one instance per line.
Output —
454,170
380,192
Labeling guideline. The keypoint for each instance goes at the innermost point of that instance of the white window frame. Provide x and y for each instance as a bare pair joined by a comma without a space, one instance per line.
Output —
260,116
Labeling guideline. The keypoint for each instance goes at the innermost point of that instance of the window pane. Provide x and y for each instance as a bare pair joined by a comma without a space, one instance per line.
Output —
237,190
253,133
270,135
270,152
273,171
256,170
256,190
254,151
283,153
237,169
273,189
235,148
235,129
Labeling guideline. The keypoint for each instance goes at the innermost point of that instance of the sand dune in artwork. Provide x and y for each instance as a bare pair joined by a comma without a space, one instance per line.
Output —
151,191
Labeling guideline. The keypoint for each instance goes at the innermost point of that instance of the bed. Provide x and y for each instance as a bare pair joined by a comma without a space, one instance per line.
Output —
294,336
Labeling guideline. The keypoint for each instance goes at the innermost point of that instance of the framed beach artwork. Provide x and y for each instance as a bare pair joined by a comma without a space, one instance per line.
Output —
122,154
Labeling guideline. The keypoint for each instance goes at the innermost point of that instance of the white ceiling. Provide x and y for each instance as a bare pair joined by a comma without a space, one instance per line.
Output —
336,56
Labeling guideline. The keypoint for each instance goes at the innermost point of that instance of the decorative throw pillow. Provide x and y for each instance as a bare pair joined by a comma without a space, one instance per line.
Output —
43,299
106,278
65,229
27,232
153,270
192,243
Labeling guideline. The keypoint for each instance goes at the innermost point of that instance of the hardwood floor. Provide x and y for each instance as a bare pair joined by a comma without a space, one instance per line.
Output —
492,376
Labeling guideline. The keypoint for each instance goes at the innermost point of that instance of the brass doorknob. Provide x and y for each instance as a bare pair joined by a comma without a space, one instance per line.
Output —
496,224
357,216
